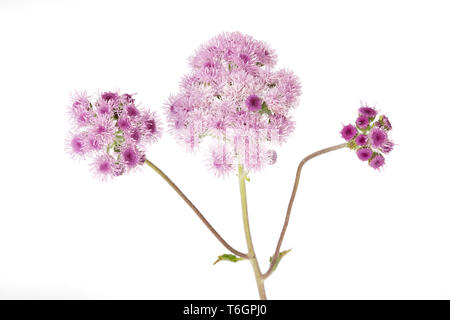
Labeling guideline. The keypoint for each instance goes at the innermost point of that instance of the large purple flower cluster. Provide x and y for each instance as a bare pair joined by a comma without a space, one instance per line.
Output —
369,136
234,96
112,130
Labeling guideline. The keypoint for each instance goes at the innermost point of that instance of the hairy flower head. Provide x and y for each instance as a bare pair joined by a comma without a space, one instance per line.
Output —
112,131
233,95
370,136
348,132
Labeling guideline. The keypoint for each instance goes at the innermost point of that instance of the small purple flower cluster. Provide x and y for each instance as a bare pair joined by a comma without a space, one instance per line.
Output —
112,130
234,96
369,136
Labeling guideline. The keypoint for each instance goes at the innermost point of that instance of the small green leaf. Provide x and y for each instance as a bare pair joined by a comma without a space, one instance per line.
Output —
228,257
265,109
280,256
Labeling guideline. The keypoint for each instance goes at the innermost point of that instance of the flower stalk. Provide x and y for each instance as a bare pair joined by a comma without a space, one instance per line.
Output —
251,251
194,208
275,256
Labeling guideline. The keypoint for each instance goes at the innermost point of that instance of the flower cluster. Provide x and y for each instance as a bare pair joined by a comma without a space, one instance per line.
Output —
234,96
369,136
112,130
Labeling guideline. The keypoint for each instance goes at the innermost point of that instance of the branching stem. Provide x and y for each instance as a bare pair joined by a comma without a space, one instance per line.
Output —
291,202
194,208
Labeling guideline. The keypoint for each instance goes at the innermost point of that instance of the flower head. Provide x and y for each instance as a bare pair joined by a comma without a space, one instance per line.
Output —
361,140
387,147
370,137
377,137
104,166
384,123
130,155
233,95
110,96
362,122
112,130
221,160
367,112
76,144
364,154
377,161
253,103
348,132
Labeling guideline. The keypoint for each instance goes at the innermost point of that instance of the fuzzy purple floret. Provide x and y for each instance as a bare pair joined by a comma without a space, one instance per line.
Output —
367,112
253,103
348,132
361,140
377,161
364,154
377,137
385,123
362,122
387,147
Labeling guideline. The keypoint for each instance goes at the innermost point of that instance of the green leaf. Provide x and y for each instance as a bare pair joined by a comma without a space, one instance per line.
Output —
265,109
280,256
228,257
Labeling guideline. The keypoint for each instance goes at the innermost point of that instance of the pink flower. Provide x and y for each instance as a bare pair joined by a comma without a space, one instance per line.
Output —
132,111
110,96
377,161
367,112
348,132
384,123
135,135
368,147
221,160
233,94
113,131
104,166
103,127
104,108
361,140
75,145
93,142
253,103
124,123
377,137
364,154
387,147
362,122
150,126
130,156
80,101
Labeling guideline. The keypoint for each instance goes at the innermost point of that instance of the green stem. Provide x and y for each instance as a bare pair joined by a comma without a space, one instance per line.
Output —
248,237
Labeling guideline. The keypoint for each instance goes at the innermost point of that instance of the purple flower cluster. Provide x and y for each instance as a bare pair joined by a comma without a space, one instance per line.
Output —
112,130
234,96
369,136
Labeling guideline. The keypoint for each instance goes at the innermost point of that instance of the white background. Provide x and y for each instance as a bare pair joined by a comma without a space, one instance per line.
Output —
356,233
